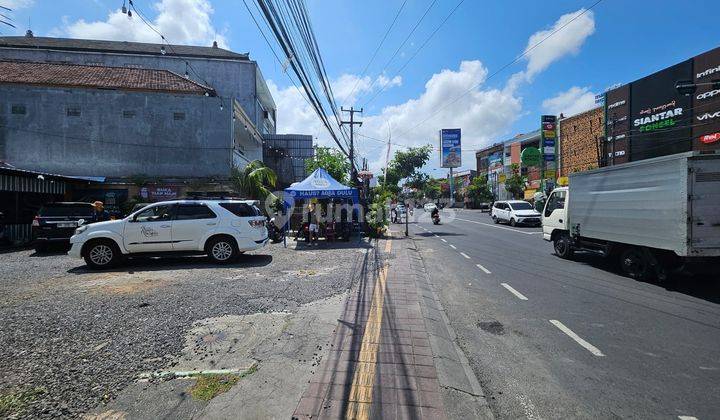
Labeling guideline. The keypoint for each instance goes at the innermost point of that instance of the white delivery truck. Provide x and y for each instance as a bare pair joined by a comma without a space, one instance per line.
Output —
652,215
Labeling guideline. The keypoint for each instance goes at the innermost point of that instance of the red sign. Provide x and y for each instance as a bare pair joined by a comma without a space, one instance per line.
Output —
710,138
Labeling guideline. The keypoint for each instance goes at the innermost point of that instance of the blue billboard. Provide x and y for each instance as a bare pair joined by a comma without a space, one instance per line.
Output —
450,151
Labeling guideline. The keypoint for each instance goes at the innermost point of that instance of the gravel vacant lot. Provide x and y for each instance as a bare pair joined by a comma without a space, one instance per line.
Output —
71,338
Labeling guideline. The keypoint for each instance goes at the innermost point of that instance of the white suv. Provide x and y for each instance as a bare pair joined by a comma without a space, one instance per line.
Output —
515,212
222,229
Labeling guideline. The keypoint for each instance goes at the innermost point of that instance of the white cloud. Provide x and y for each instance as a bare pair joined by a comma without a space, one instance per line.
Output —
483,114
566,41
180,21
570,102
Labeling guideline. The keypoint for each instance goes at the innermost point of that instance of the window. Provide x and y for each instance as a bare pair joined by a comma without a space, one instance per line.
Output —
193,212
155,214
128,114
556,201
18,109
72,111
178,116
521,206
241,209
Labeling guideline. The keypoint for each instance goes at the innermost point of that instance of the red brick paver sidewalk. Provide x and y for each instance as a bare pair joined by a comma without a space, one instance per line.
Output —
380,363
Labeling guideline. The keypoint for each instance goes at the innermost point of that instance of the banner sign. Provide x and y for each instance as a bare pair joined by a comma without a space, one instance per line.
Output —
450,150
706,101
153,194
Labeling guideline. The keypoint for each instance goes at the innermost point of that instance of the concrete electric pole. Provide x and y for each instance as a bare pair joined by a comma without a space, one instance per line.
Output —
352,122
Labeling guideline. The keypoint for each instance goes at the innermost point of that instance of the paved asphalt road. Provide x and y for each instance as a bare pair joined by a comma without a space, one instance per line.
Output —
550,338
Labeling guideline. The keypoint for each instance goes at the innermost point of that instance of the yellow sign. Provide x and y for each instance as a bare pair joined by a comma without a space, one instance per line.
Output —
502,178
529,194
563,181
550,174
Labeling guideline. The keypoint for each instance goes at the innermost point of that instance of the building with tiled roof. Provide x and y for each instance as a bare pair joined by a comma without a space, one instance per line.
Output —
98,77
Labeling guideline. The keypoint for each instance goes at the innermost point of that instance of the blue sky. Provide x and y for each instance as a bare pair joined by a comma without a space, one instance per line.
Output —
620,42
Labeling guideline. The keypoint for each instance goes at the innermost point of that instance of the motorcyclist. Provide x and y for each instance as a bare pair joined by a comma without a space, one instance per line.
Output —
435,213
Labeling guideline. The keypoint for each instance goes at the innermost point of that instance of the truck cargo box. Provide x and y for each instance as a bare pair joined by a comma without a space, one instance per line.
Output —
670,202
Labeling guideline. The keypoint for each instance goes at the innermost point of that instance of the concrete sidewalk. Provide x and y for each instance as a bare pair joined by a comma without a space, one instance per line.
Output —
393,354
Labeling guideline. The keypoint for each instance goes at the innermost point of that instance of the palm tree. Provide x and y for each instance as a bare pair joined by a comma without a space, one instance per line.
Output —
254,180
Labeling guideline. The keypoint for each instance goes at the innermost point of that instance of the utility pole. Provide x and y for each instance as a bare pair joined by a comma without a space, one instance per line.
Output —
353,123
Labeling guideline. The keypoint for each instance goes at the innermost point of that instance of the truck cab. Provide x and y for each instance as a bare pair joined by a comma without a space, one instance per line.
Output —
554,216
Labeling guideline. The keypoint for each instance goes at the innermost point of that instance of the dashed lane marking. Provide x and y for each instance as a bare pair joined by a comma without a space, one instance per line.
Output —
513,291
483,268
465,255
589,347
498,227
442,239
453,246
687,418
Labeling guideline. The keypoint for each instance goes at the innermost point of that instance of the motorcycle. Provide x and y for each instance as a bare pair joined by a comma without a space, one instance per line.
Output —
275,233
436,219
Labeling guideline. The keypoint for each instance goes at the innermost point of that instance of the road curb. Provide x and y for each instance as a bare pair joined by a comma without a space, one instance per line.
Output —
462,394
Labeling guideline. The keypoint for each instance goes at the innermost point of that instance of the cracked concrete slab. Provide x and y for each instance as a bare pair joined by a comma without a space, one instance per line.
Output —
285,348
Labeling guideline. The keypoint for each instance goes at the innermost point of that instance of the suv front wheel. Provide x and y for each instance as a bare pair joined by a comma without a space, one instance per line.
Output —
222,249
102,253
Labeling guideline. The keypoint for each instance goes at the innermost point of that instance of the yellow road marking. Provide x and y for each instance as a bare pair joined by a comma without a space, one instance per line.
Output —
361,391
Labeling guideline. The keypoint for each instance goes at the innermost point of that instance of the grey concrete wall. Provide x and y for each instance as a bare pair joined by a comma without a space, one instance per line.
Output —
104,142
230,78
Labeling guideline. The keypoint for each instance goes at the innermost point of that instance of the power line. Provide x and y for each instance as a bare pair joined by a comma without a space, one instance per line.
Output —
377,49
412,31
416,52
515,60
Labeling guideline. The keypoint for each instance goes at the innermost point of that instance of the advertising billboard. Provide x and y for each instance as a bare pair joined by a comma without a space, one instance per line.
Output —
617,119
548,133
660,117
450,151
706,101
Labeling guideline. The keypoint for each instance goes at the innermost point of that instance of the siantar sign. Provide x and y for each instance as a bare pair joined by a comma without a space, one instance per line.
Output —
659,120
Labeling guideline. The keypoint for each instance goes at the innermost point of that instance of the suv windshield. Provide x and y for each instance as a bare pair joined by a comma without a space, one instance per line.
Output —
61,210
521,206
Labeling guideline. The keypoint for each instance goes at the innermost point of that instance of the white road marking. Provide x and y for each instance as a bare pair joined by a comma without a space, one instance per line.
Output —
453,246
435,236
443,240
483,269
513,291
589,347
498,227
465,255
687,418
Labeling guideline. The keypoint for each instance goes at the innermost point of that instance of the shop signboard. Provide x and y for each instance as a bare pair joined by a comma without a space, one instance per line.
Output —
660,117
450,150
530,156
617,127
153,194
495,161
706,101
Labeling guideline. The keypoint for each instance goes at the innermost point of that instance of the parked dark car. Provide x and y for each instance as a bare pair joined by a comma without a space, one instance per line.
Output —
56,223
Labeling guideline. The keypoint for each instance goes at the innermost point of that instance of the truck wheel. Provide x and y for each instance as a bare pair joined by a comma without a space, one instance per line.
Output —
102,253
635,264
563,246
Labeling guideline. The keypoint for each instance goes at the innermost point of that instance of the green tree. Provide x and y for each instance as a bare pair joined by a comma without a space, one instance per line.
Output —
405,164
332,160
515,183
433,189
479,190
255,180
417,180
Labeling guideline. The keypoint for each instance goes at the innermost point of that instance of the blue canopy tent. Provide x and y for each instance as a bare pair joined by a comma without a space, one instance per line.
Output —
319,185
